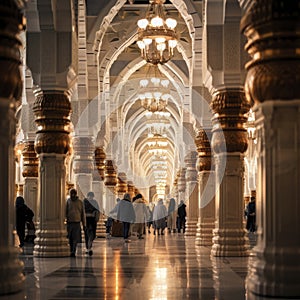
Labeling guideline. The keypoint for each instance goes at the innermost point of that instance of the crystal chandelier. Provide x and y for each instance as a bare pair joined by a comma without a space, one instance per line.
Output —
156,34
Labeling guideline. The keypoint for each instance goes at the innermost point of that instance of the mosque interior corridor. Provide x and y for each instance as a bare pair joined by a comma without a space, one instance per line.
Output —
179,101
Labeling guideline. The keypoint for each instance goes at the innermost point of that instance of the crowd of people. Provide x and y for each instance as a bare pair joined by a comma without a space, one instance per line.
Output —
137,218
131,216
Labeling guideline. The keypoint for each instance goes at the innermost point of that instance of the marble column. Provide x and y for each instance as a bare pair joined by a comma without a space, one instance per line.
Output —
30,174
11,276
192,194
181,184
206,181
229,142
121,187
110,181
273,83
52,111
98,188
83,164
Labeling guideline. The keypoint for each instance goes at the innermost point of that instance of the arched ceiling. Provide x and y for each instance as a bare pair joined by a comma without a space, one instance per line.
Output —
120,68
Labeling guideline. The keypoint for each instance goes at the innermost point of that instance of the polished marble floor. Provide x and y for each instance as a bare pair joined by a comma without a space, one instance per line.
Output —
157,268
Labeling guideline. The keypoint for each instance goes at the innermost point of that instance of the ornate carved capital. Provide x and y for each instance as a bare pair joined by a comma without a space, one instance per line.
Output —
100,161
190,163
110,175
202,141
30,160
230,107
52,110
83,154
181,180
121,186
273,31
12,22
130,188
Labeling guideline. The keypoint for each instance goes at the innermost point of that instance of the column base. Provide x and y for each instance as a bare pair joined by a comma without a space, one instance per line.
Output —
230,242
204,234
274,272
190,228
11,276
51,243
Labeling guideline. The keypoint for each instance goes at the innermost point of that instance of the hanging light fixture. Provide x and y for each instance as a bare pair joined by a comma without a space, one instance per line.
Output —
157,37
154,90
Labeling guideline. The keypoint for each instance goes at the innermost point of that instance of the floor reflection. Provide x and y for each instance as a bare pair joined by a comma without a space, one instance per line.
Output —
158,267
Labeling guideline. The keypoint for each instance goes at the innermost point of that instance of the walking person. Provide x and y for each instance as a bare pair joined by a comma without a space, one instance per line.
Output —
159,217
171,222
251,215
92,214
150,218
74,215
126,215
111,218
141,215
23,215
181,212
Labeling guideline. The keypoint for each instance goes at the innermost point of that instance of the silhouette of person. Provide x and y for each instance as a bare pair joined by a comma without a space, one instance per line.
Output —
23,215
92,213
251,215
181,216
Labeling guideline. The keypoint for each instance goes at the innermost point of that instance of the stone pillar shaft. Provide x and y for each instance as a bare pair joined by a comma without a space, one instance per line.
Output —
192,194
51,235
273,83
229,238
229,142
206,222
11,277
83,164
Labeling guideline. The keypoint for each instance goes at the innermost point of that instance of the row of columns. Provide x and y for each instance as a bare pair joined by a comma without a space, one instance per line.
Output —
216,197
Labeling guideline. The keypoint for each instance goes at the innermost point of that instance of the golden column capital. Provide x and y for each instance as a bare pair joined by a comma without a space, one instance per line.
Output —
121,186
229,106
110,174
202,141
130,188
181,180
30,160
273,31
190,163
100,161
52,110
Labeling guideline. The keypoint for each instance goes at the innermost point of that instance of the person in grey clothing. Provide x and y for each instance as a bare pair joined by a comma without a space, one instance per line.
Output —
74,215
126,215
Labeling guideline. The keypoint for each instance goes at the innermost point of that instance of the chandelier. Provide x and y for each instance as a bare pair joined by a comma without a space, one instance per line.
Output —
154,94
154,102
156,34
